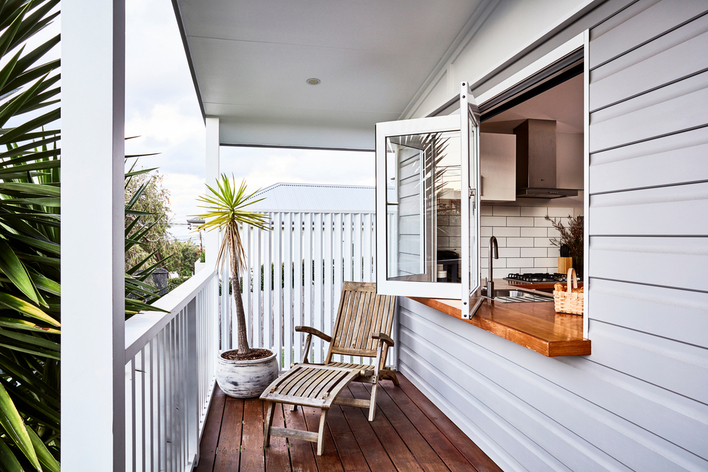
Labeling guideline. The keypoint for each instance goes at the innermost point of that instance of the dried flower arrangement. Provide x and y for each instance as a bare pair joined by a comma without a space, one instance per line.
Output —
572,236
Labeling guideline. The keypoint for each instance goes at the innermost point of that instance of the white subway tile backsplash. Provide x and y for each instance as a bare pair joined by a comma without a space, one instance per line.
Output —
520,242
505,211
559,212
492,220
505,231
509,252
533,232
542,242
520,262
534,211
484,242
545,262
523,235
519,221
533,252
501,262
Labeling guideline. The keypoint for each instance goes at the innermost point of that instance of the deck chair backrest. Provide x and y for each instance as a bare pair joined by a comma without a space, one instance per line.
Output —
361,312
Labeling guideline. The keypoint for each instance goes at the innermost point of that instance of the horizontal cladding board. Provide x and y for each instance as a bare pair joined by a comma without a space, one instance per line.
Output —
409,224
671,109
671,57
678,367
678,158
680,315
622,11
485,432
409,244
651,212
647,24
531,437
610,417
664,261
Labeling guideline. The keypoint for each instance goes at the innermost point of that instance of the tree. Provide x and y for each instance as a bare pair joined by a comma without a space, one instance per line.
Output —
181,256
150,205
226,211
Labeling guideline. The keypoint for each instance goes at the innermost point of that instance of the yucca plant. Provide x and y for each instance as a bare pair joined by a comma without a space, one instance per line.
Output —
225,207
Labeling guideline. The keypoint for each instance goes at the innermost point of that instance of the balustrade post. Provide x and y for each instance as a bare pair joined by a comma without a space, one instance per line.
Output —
92,262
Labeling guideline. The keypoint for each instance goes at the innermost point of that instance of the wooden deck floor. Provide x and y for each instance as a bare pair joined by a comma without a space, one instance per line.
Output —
408,434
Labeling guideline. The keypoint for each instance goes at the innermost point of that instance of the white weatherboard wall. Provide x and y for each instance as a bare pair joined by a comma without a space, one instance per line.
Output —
640,401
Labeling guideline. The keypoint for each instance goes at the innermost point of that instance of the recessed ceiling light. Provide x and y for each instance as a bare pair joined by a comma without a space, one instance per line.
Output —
313,81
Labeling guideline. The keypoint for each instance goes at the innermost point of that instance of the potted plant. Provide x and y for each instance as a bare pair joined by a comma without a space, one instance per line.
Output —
572,237
242,372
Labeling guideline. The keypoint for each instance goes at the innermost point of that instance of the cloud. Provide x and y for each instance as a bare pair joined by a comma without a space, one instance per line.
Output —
264,167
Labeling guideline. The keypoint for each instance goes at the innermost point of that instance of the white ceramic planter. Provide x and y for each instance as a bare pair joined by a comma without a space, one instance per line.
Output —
245,379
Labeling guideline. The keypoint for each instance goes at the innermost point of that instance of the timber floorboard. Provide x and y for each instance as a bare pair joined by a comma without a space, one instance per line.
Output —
409,433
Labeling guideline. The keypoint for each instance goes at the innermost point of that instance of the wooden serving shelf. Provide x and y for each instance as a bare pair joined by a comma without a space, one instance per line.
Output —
533,325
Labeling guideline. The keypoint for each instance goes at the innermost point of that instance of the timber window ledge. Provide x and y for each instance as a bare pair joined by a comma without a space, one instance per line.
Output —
535,326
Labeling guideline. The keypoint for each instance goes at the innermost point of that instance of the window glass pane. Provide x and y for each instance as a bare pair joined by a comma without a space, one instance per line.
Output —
423,207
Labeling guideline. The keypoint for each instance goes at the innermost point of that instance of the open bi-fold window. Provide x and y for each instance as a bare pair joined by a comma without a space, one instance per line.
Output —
427,206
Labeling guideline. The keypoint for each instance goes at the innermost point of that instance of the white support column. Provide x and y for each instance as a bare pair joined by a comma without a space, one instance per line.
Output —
211,243
92,262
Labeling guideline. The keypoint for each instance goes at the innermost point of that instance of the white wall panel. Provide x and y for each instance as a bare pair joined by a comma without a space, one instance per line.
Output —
672,314
670,210
670,109
675,159
643,26
667,262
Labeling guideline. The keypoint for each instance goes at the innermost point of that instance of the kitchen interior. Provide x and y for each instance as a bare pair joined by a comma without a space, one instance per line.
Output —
532,167
531,158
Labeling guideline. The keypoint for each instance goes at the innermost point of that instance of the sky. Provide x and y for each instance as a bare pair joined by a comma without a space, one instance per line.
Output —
162,109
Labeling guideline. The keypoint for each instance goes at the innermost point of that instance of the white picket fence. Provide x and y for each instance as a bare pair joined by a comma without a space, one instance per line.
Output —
321,250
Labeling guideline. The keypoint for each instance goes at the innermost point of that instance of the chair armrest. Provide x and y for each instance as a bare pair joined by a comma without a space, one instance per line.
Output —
316,332
383,337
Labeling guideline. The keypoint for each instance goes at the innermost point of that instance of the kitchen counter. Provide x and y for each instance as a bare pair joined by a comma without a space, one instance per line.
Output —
536,326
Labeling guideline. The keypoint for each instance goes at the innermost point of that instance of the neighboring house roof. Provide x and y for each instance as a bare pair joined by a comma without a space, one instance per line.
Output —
315,198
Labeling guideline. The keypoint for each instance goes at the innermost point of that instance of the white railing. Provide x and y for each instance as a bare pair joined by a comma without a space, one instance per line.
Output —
170,360
322,250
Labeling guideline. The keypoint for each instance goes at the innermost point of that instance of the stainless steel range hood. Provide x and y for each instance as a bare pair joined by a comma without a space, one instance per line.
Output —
536,161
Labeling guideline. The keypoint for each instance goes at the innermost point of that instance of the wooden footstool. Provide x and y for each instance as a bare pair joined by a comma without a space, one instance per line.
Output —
307,385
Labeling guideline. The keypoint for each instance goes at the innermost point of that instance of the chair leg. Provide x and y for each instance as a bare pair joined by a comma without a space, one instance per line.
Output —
293,407
372,404
268,423
320,433
390,374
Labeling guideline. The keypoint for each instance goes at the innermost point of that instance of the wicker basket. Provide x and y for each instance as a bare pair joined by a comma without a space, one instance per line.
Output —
568,301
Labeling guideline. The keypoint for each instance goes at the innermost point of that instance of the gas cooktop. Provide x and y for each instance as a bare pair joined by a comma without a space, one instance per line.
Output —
537,278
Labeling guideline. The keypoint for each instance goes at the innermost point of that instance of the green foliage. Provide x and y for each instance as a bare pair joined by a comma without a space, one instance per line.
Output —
182,256
149,206
29,240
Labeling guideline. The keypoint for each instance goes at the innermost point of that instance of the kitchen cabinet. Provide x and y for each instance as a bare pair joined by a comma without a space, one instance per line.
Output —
498,167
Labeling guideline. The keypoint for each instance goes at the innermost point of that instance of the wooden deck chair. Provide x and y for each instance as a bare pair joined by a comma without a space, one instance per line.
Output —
363,329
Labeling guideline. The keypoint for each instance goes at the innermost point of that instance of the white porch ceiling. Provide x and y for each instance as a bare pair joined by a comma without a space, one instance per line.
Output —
251,60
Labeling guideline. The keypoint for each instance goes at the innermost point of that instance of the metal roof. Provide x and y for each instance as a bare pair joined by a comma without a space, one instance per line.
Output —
315,198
